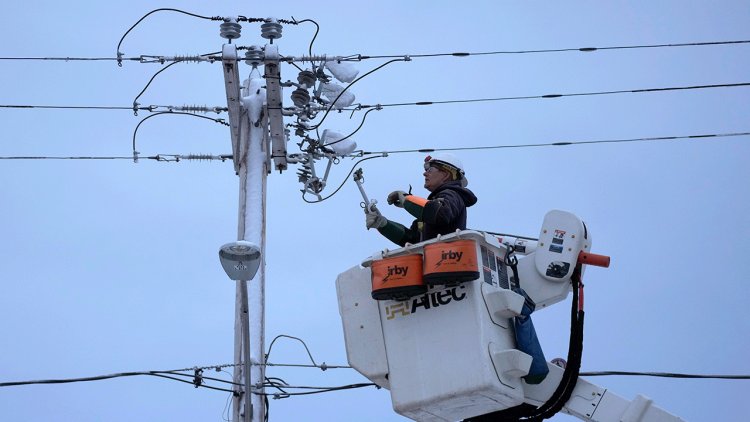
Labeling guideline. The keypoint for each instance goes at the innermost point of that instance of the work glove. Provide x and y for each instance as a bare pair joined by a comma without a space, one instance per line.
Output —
397,198
373,218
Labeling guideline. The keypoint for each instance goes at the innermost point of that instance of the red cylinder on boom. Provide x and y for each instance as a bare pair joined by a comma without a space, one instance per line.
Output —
589,258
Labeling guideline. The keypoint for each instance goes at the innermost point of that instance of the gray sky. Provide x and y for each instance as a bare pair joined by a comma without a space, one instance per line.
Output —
111,266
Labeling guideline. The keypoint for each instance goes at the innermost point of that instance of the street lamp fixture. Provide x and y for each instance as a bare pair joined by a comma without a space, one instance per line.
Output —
240,259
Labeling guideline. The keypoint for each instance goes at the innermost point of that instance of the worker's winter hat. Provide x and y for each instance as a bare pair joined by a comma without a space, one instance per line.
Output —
449,163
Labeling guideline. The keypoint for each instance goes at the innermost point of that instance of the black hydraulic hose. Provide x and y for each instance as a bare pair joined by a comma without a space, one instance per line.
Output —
575,351
561,395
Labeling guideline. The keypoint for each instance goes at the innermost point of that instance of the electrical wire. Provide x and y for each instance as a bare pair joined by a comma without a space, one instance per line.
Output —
562,143
135,101
317,29
320,390
54,107
135,132
119,55
268,354
72,59
330,107
382,154
424,103
171,374
663,375
68,158
557,50
454,54
173,158
547,96
351,134
343,182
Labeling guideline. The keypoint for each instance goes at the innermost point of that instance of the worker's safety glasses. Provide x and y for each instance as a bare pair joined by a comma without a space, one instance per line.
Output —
429,168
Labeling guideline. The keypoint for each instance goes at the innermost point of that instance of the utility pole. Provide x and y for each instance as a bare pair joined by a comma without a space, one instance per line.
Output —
259,141
253,110
250,295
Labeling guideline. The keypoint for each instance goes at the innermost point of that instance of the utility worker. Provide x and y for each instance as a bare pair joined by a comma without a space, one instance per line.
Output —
443,212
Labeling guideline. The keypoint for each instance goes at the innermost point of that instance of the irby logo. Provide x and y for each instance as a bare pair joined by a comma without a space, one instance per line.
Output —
396,271
449,254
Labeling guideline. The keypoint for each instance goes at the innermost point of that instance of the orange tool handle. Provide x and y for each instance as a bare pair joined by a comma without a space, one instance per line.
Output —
593,259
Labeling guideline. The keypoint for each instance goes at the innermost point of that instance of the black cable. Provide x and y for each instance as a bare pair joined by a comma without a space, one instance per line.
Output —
268,354
562,394
135,132
422,150
546,96
355,130
454,54
323,389
328,110
342,183
72,59
71,107
162,374
663,375
135,101
71,158
558,50
119,63
423,103
317,29
564,143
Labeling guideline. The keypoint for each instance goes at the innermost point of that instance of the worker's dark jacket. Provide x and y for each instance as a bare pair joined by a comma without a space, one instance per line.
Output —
445,212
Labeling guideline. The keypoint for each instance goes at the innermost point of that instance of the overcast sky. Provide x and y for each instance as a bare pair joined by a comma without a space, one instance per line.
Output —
110,266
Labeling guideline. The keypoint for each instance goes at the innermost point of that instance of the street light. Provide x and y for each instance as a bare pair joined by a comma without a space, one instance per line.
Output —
240,259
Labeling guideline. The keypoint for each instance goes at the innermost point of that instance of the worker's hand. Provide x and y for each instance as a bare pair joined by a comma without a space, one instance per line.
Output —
374,219
397,198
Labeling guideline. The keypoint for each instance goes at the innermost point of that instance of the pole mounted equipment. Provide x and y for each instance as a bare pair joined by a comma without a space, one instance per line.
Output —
254,56
270,29
230,29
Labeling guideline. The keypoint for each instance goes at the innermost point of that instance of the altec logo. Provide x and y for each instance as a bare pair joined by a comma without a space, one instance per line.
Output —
449,254
396,271
426,301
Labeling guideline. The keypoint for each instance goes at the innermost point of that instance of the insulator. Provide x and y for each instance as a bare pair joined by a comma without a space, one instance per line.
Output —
200,157
194,109
188,59
254,56
270,29
306,78
230,30
300,97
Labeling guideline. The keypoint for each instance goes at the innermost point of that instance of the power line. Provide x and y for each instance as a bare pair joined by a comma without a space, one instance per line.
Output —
171,374
224,157
151,108
453,54
69,107
556,50
663,375
175,158
415,103
546,96
562,143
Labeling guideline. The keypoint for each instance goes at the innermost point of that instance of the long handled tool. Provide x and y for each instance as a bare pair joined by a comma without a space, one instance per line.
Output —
359,179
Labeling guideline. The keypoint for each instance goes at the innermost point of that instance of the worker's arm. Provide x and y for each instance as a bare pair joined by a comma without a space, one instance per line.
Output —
399,234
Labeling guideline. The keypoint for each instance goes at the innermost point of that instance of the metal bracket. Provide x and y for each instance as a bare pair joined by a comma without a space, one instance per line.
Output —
274,104
232,85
